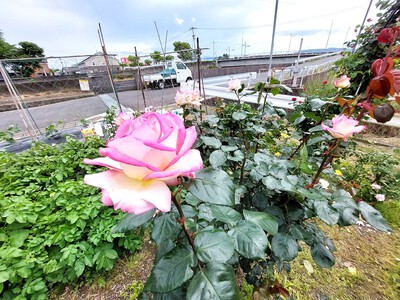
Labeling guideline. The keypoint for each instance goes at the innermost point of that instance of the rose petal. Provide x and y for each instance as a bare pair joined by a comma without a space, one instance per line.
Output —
129,195
104,162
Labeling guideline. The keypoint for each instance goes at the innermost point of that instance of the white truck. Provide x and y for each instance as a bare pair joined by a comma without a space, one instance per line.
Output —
174,73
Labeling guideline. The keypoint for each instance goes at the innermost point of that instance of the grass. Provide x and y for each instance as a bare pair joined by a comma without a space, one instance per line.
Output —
367,267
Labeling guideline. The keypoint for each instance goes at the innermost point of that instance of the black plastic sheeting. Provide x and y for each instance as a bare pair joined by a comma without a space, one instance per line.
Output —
57,138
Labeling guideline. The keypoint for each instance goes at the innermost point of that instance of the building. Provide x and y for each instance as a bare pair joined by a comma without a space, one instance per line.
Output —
93,64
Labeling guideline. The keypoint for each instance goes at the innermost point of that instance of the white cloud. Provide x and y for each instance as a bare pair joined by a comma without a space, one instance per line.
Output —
178,20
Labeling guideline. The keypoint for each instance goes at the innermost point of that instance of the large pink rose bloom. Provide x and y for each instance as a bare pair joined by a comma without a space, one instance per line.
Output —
147,154
343,127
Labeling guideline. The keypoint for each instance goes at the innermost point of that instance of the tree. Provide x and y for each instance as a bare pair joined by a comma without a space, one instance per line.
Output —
134,61
29,49
6,50
184,50
156,56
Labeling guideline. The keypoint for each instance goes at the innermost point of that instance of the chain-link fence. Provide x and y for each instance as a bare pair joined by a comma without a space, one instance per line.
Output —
41,96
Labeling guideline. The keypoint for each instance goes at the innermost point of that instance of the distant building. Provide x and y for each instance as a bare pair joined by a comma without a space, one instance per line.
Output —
93,64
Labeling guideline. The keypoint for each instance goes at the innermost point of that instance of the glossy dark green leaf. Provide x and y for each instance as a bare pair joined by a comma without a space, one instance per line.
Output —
213,246
373,217
132,221
226,214
284,246
212,186
211,141
238,115
217,158
177,294
249,239
172,270
317,103
165,227
326,212
266,221
271,183
322,256
215,281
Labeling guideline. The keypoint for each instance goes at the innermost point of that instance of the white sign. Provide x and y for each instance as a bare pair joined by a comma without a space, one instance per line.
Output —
84,84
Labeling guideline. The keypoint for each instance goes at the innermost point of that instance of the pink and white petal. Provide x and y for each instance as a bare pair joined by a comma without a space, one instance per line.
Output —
129,194
189,162
107,201
191,136
103,162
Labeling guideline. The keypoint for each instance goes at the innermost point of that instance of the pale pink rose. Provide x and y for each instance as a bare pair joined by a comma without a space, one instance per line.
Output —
324,184
188,97
380,197
146,155
376,186
123,116
342,82
234,84
343,127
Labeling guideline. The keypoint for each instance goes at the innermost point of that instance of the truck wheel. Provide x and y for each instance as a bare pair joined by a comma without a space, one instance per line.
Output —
189,78
161,84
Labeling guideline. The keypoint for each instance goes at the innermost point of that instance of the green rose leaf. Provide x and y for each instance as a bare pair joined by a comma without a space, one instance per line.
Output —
132,221
217,158
213,246
249,239
212,186
271,183
326,213
317,103
215,281
165,227
284,246
373,217
322,256
237,115
226,214
266,221
211,142
172,270
177,294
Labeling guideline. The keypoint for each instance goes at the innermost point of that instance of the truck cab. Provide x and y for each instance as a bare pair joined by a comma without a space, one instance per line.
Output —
173,74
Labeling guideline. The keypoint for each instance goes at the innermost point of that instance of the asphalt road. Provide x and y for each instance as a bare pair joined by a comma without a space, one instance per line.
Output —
73,111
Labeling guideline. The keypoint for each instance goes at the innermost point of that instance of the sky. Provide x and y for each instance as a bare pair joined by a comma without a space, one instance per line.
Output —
70,27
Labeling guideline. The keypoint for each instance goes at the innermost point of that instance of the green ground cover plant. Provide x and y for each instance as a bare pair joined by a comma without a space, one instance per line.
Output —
54,229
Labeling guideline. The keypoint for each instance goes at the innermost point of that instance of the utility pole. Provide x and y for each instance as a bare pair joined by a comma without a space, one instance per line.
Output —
272,42
329,35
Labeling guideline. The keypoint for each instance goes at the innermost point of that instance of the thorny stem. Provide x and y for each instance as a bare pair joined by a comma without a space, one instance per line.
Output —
182,218
303,141
328,155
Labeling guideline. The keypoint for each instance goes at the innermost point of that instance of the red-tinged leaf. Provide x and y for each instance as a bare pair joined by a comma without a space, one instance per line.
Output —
380,86
284,292
396,80
397,98
381,66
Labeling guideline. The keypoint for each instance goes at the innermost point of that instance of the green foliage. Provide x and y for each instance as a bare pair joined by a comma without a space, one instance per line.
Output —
362,168
247,208
8,134
356,64
184,50
54,229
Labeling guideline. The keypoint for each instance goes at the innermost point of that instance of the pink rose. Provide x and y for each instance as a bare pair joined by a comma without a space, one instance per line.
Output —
376,186
191,97
146,155
342,82
121,117
380,197
234,84
343,127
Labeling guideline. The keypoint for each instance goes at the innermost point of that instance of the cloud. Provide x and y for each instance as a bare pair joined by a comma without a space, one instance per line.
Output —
178,20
